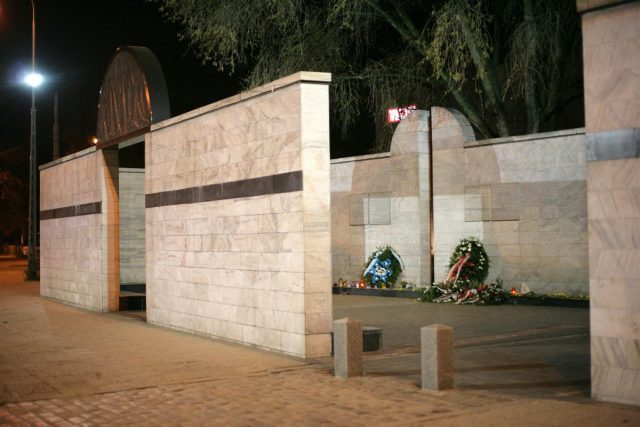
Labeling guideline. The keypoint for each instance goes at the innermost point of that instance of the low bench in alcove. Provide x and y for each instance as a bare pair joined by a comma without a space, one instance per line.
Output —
133,297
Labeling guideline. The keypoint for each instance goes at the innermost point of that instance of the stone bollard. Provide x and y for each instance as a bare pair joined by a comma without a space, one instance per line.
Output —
436,356
347,348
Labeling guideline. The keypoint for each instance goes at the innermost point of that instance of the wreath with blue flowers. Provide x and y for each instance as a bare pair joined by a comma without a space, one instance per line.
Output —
382,268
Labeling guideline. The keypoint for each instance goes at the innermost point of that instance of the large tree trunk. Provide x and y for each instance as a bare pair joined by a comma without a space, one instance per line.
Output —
488,78
472,114
404,26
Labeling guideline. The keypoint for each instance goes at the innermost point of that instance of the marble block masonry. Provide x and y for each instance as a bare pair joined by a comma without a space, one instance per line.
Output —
523,196
239,222
228,224
611,46
238,218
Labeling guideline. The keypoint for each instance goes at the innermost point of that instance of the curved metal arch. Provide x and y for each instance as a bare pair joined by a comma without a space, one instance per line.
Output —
133,95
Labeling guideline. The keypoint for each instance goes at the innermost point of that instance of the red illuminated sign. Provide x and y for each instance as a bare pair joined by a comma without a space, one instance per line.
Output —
395,114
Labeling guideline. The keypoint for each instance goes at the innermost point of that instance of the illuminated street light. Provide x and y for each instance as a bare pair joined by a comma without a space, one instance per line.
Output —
33,79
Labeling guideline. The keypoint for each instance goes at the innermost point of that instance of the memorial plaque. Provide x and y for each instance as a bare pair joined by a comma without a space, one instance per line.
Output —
379,208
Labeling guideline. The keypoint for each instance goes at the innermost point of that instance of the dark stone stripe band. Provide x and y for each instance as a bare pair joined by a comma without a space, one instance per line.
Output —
273,184
613,145
588,6
69,211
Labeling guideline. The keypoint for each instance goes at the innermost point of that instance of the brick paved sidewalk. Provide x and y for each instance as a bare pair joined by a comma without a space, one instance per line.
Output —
309,396
64,366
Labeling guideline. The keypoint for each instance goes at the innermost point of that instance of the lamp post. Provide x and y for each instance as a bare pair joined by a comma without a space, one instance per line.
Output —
33,79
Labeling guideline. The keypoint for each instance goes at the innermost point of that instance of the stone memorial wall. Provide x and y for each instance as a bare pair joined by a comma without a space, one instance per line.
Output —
611,46
238,218
247,221
524,197
382,199
79,230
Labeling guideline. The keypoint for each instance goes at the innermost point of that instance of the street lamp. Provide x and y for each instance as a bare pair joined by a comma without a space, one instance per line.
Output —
33,79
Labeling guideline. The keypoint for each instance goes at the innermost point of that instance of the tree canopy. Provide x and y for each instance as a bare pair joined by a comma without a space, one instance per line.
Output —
511,66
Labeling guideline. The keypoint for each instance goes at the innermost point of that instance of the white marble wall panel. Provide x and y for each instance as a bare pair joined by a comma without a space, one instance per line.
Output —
132,243
72,180
614,262
450,131
524,197
611,49
611,41
539,184
256,270
315,240
380,200
79,254
71,260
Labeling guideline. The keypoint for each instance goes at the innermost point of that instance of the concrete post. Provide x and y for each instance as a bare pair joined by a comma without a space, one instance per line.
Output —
436,356
347,348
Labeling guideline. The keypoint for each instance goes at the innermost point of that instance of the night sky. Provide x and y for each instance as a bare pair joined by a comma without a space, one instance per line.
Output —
74,43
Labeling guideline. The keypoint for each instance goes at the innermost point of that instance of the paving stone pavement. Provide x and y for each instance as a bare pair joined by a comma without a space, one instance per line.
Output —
64,366
307,396
303,396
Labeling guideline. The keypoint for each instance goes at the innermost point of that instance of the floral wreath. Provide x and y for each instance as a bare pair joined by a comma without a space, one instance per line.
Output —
383,268
464,284
469,261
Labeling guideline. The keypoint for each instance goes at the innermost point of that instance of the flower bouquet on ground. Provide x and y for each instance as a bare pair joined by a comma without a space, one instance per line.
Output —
382,268
464,284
